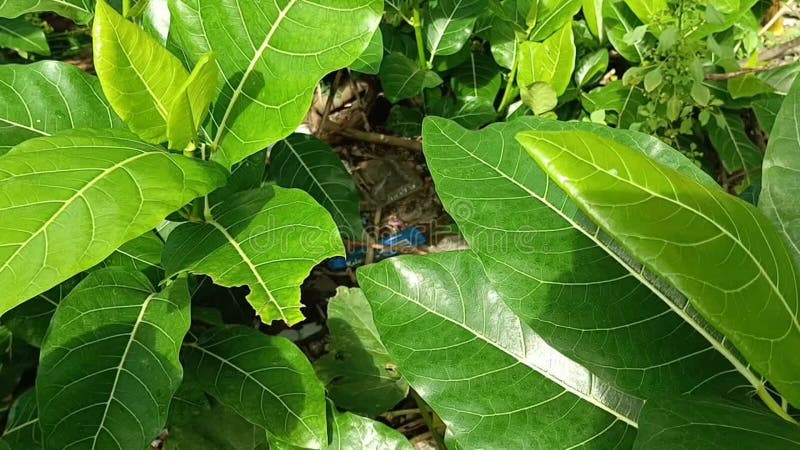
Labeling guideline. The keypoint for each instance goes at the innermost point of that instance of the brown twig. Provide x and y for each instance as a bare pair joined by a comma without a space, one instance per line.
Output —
380,138
399,413
745,71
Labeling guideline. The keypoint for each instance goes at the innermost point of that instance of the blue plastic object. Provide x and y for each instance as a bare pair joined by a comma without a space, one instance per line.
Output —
410,237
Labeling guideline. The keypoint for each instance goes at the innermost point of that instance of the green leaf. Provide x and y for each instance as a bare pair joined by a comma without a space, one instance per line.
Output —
405,121
359,374
78,10
504,43
195,423
370,60
781,184
648,11
43,98
553,15
191,104
479,78
304,162
268,74
539,97
591,68
668,424
730,262
492,380
78,196
551,61
141,79
616,97
402,77
748,86
267,380
546,259
30,320
268,239
155,17
22,430
352,432
23,36
142,254
766,108
108,373
736,151
620,21
448,24
593,13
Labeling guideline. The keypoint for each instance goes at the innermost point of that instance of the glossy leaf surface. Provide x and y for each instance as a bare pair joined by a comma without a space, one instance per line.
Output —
192,103
449,23
43,98
268,75
551,61
352,432
731,263
23,36
267,380
492,380
267,239
78,10
78,196
108,374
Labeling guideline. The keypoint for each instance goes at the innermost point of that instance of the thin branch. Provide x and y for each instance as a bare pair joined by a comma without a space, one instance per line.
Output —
746,71
380,138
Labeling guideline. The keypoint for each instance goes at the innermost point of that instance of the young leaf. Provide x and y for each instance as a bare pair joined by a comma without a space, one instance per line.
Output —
78,196
551,61
78,10
781,184
553,15
271,57
266,380
719,251
43,98
140,77
23,36
546,259
593,12
352,432
22,431
667,424
304,162
735,149
449,23
620,21
493,381
191,103
402,77
591,68
109,370
267,239
360,375
648,11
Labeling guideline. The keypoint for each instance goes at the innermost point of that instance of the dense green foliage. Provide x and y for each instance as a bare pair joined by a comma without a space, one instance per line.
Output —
625,174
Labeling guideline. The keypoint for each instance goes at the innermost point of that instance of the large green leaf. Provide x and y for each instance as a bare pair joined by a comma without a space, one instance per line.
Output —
141,79
78,10
268,239
558,274
449,23
23,36
43,98
551,61
109,370
267,73
304,162
192,103
736,151
142,254
69,201
618,98
22,430
352,432
492,380
718,250
479,78
358,371
669,424
781,176
620,21
553,15
267,380
369,61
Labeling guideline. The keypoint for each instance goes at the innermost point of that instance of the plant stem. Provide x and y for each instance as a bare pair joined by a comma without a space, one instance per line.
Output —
430,420
508,95
772,404
418,34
